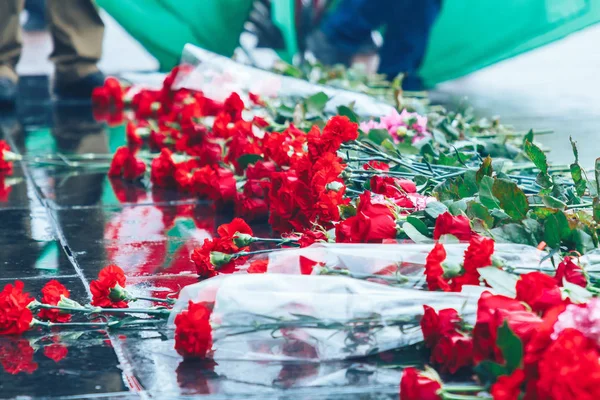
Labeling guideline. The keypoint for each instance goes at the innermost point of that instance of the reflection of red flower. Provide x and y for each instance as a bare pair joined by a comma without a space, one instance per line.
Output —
193,333
458,226
195,376
15,317
16,355
51,294
108,290
414,385
258,267
56,352
4,189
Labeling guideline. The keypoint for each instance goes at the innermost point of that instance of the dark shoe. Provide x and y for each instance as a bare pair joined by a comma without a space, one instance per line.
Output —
35,23
8,91
79,89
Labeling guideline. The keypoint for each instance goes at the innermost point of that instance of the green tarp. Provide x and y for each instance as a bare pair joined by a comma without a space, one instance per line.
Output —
469,34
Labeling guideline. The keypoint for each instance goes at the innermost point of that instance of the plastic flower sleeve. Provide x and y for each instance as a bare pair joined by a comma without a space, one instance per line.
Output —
393,264
295,317
218,76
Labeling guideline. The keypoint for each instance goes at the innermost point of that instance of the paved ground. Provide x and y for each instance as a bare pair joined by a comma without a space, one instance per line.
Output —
63,224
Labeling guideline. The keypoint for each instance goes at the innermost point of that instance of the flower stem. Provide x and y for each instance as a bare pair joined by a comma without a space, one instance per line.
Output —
463,388
98,310
452,396
156,299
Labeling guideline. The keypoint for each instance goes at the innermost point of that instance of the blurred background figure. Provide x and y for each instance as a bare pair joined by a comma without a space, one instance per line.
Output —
347,32
36,16
77,32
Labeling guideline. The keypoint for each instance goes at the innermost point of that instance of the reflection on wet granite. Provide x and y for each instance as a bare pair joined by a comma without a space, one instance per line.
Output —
68,223
59,364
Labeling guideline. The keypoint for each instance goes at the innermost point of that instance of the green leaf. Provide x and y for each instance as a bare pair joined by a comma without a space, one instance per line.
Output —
347,112
477,210
248,159
500,280
511,347
414,234
553,202
377,136
439,137
489,371
528,137
597,174
418,224
316,103
485,193
539,160
582,240
556,228
596,209
513,233
577,175
485,169
406,148
512,199
434,209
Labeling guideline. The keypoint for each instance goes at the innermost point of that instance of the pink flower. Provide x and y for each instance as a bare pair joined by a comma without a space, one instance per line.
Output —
372,124
583,317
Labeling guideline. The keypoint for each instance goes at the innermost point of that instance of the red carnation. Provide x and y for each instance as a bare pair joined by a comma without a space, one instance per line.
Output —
453,352
109,290
56,352
434,272
251,208
193,333
508,387
478,254
340,129
134,141
201,258
5,165
227,232
415,385
378,165
372,223
571,272
16,355
234,107
569,368
435,326
539,291
124,164
52,293
492,312
15,317
309,237
162,173
458,226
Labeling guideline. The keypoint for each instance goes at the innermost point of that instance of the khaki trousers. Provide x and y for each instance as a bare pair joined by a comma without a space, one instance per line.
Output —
76,30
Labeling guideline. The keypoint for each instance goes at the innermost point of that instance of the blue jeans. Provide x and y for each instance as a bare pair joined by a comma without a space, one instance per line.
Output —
407,27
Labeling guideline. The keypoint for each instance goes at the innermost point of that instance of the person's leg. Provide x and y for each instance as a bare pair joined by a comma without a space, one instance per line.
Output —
77,33
36,19
10,37
406,38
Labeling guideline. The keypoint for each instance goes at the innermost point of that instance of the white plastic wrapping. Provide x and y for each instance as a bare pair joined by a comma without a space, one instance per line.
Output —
218,76
392,264
314,318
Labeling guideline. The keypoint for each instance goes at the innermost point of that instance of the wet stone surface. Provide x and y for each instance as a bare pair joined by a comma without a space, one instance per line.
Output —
68,223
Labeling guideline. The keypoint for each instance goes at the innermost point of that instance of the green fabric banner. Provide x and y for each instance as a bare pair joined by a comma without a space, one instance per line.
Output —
469,34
